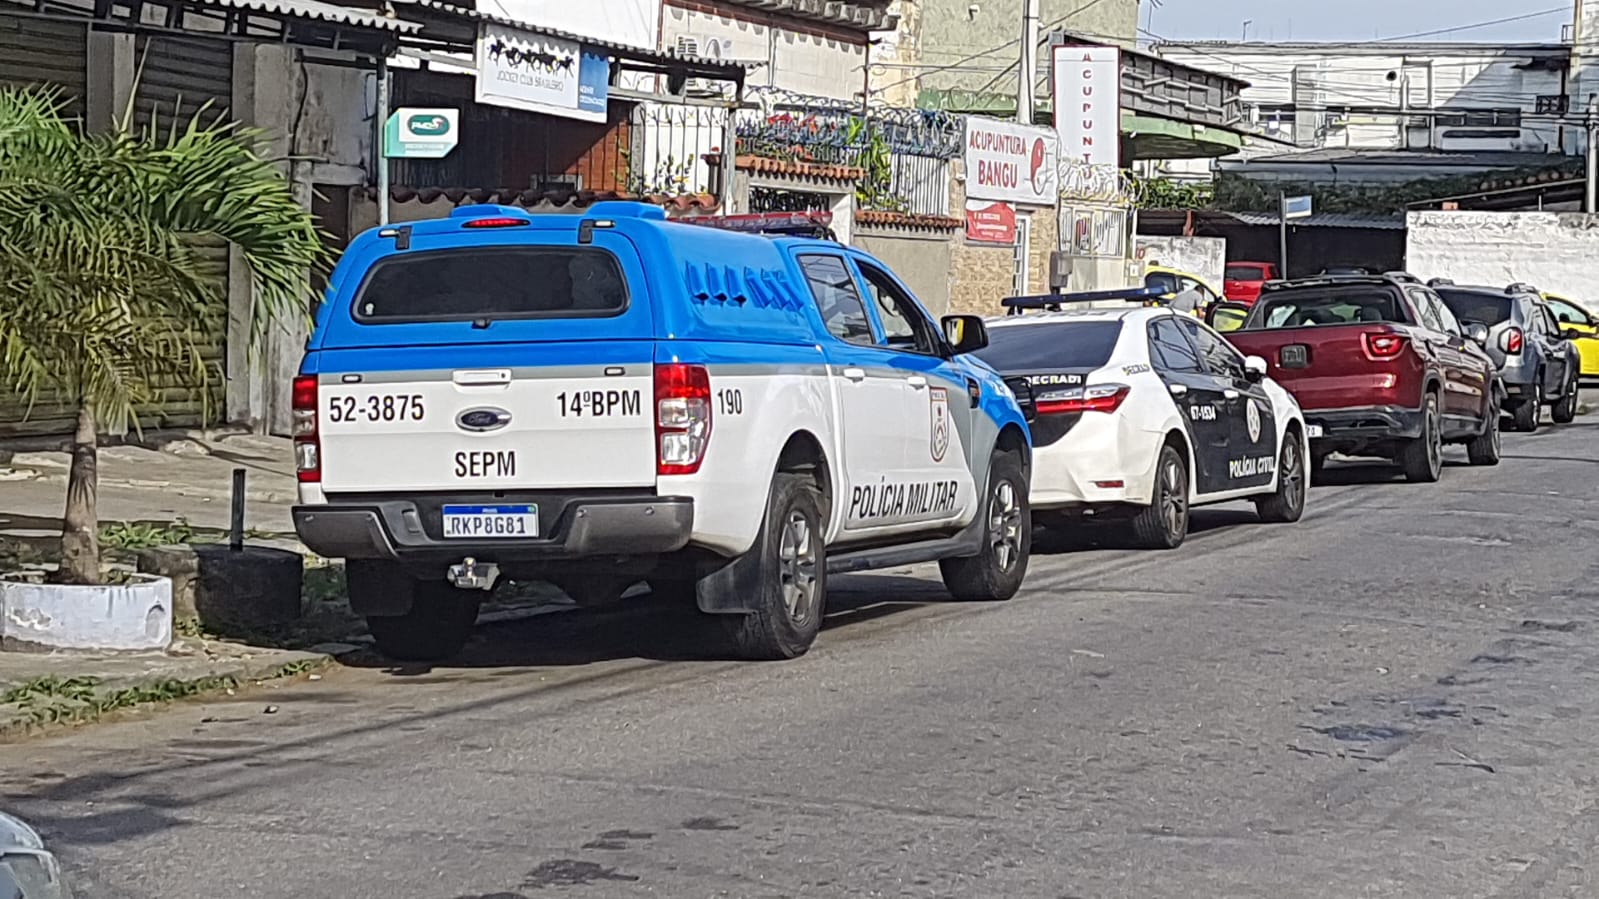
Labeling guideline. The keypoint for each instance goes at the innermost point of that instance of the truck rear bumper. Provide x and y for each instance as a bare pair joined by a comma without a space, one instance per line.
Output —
1345,429
573,527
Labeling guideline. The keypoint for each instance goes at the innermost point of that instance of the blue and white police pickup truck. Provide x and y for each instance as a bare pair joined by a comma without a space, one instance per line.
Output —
601,399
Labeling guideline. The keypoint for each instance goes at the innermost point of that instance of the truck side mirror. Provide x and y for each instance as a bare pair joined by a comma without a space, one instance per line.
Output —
965,333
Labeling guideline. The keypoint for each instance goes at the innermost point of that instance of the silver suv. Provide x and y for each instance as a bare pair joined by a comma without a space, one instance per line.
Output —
27,869
1538,366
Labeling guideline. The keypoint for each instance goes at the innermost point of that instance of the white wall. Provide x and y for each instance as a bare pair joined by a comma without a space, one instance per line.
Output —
1552,251
791,59
1339,75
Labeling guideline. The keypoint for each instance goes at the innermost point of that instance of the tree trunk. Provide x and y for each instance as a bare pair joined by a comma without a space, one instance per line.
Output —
80,533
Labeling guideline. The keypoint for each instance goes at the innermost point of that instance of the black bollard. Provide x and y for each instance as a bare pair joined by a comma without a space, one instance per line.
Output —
236,537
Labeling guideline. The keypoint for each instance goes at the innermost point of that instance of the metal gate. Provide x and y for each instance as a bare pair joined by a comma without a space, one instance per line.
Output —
182,77
53,53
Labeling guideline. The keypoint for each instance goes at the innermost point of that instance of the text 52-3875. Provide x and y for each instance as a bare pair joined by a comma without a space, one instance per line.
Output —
376,407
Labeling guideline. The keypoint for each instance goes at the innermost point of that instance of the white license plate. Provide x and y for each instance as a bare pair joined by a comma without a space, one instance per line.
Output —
1313,431
490,522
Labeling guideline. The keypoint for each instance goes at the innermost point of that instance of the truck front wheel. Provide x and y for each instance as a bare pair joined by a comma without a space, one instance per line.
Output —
792,583
996,572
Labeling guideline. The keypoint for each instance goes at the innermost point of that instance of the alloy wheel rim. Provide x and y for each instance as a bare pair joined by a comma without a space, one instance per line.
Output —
797,562
1005,525
1293,475
1174,497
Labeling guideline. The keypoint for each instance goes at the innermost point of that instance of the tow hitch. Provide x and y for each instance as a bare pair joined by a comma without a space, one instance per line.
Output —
473,575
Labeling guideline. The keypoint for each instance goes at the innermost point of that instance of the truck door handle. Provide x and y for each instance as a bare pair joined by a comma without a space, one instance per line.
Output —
1178,389
917,381
490,378
1229,394
855,374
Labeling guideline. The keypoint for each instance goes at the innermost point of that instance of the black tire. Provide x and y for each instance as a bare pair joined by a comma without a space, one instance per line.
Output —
439,623
1565,411
1484,449
1163,524
1287,504
793,578
997,572
1526,414
1318,467
1423,457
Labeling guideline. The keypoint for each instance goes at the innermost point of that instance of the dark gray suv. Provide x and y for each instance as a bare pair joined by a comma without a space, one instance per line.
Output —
1539,367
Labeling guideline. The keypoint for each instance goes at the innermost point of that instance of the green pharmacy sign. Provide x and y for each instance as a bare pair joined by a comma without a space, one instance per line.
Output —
412,133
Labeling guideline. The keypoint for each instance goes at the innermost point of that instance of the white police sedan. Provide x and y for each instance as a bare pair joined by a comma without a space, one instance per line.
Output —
1139,413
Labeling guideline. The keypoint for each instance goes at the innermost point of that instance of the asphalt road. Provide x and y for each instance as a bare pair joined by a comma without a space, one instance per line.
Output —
1398,696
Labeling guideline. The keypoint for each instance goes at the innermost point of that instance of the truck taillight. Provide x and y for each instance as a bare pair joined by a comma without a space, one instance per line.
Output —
682,417
1512,341
1380,345
307,442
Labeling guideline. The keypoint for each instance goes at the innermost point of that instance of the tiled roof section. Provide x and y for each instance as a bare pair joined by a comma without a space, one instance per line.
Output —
323,12
684,204
909,220
812,171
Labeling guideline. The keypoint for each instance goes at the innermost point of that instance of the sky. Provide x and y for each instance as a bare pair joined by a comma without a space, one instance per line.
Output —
1282,20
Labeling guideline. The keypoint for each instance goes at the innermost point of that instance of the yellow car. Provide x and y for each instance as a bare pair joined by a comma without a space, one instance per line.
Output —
1575,318
1177,283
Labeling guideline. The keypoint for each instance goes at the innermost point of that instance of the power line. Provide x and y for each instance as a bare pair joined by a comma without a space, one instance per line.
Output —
992,50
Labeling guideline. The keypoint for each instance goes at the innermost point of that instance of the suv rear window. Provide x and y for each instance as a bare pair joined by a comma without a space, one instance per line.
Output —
1308,308
1053,345
1476,306
493,283
1242,273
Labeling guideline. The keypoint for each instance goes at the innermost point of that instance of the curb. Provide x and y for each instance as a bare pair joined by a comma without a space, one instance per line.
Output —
114,694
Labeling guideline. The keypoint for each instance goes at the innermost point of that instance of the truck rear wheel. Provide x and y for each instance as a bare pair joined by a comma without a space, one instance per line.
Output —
1423,458
439,623
793,575
997,571
1484,448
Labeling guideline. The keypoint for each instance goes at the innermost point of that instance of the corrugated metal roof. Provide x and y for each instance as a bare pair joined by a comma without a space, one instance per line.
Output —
1324,220
323,12
625,51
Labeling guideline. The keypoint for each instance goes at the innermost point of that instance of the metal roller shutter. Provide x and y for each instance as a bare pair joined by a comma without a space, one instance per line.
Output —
42,51
182,75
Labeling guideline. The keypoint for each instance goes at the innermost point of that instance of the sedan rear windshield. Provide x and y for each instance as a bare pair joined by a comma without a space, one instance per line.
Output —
1477,306
1242,273
1308,308
493,283
1051,345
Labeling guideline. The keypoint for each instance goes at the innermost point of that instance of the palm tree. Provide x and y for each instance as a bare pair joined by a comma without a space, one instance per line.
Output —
101,296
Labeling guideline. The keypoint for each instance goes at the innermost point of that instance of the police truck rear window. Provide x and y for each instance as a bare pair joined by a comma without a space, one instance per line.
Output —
1051,345
493,283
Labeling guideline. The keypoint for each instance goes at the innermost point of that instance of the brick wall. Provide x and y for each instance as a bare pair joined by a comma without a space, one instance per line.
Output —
980,275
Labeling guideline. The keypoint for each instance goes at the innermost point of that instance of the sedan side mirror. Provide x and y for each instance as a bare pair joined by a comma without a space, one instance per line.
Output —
1572,334
965,333
1478,332
1255,369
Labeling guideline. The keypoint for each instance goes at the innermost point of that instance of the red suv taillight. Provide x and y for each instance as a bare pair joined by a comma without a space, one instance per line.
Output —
1380,345
307,442
1094,398
682,417
1511,341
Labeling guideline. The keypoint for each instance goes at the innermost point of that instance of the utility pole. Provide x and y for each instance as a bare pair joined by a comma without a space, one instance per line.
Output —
1029,63
1282,234
1591,124
383,130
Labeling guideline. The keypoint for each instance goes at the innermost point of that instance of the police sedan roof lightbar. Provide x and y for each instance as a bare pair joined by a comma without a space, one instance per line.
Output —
1053,301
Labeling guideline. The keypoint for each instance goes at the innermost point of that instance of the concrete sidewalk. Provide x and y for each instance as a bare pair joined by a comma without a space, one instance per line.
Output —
188,477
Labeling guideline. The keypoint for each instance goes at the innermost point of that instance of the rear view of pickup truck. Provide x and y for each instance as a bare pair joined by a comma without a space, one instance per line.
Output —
1380,368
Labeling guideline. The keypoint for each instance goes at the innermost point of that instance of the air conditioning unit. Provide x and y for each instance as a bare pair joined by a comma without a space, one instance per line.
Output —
714,48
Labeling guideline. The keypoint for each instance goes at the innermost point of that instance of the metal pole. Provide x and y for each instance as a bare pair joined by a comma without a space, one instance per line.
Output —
382,131
1591,123
1029,63
236,532
1282,234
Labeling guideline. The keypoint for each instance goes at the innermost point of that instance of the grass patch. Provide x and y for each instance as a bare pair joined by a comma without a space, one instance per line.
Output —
79,700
